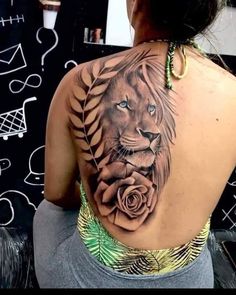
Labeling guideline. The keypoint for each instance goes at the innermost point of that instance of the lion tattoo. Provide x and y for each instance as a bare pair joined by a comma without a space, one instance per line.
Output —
136,119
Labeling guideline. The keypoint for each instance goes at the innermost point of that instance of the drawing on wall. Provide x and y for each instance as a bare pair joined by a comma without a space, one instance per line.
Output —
14,122
11,20
8,200
12,59
50,49
4,165
70,62
36,167
7,208
233,183
33,81
230,215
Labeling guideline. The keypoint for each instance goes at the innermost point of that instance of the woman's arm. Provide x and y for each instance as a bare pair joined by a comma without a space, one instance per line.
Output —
61,168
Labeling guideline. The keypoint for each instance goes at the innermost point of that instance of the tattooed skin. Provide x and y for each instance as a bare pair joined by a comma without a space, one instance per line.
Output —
123,120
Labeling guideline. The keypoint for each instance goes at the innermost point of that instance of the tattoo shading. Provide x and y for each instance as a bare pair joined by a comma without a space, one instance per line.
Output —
123,121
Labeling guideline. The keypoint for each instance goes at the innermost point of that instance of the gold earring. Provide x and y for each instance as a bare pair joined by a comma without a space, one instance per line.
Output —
185,65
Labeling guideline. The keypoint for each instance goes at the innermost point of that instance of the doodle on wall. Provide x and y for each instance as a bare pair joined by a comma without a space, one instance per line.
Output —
230,215
4,165
16,86
51,48
14,122
12,202
11,20
12,59
36,167
8,210
70,62
233,183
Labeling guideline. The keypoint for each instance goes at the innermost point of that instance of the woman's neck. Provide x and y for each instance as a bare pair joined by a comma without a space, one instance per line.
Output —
146,32
138,40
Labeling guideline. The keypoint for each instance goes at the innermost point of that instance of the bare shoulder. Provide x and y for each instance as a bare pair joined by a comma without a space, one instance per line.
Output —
226,86
220,73
83,74
215,78
225,90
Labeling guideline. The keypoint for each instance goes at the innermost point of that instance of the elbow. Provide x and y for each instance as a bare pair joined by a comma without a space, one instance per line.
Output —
67,200
51,195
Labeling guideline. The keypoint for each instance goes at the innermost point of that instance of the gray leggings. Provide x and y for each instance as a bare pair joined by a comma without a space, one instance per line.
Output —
63,261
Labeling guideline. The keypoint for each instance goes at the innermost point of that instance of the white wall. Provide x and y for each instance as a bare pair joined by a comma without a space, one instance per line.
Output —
223,32
119,31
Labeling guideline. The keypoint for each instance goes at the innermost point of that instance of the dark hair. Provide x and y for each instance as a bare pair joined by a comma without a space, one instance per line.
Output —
184,19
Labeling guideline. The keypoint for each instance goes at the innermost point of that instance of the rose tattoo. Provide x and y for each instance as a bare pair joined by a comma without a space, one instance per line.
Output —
129,200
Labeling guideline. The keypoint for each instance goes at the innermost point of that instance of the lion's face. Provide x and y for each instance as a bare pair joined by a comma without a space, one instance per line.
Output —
130,118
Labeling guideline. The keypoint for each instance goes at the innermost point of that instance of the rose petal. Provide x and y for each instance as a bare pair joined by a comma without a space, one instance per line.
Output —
154,202
123,221
132,202
140,179
141,188
144,199
106,210
136,200
150,197
111,217
129,189
123,205
114,170
112,190
139,212
99,192
119,198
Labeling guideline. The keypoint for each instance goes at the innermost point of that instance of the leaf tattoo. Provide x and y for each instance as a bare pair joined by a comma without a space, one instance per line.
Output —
84,107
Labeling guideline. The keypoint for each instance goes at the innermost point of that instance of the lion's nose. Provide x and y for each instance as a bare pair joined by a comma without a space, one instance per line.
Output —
151,136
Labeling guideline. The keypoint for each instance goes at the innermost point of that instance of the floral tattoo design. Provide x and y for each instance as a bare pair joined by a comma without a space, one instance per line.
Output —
123,121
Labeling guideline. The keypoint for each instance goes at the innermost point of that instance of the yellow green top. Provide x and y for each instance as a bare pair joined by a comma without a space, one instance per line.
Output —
122,258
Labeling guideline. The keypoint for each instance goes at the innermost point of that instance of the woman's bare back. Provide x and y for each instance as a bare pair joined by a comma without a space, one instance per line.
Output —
153,162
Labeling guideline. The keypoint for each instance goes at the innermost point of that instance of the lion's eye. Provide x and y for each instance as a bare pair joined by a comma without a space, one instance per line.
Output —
151,109
124,104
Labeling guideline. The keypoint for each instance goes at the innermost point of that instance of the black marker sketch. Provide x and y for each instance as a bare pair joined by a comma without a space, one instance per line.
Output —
12,213
50,49
4,165
70,61
36,167
233,183
13,197
13,122
231,215
11,20
22,84
12,59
